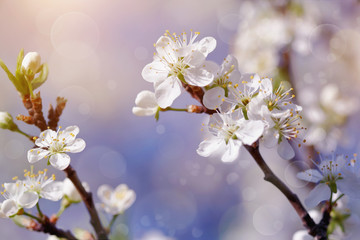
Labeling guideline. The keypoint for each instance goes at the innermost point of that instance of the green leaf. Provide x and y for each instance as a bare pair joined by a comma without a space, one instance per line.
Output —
37,82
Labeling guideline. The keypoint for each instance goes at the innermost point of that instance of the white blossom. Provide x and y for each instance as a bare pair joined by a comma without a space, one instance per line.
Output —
146,104
46,187
178,61
229,132
17,197
115,201
54,145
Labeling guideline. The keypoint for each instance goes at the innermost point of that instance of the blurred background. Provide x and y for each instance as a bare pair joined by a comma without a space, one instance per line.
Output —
96,51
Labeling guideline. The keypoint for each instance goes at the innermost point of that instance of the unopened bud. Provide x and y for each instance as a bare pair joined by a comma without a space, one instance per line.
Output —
31,64
194,109
7,122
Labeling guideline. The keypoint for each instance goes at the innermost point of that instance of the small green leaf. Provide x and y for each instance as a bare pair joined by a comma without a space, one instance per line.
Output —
37,82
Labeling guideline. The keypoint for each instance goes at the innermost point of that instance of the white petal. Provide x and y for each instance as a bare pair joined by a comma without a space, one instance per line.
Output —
195,59
28,199
52,191
285,150
146,99
266,87
310,175
320,193
198,77
207,45
302,235
232,151
45,138
208,146
270,140
36,154
165,47
104,192
213,97
138,111
9,207
251,132
167,91
155,71
77,146
60,161
69,134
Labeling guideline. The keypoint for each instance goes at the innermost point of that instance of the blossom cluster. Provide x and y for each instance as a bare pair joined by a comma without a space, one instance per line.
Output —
246,107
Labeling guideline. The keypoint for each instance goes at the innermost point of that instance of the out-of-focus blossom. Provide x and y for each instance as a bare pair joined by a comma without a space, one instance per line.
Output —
178,61
155,235
71,192
146,104
115,201
54,145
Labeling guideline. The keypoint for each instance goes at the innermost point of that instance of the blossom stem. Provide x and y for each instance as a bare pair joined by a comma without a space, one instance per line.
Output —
112,222
316,230
89,203
39,210
174,109
31,216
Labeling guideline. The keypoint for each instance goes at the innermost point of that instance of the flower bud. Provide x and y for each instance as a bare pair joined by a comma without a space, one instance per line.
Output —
31,64
7,122
146,104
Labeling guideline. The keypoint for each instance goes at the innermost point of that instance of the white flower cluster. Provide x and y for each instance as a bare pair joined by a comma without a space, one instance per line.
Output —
247,107
26,193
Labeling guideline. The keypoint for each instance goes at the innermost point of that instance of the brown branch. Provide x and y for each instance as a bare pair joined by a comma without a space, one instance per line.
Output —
316,230
54,114
89,203
46,226
198,94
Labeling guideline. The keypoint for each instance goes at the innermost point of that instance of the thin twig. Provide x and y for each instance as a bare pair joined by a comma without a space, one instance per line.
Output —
316,230
89,203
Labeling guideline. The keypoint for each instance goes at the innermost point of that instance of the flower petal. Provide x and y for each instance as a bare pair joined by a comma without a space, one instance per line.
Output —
232,151
36,154
250,132
69,134
52,191
28,199
206,45
285,150
209,146
155,71
320,193
9,207
213,97
146,99
198,77
310,175
104,192
77,146
45,138
60,161
167,91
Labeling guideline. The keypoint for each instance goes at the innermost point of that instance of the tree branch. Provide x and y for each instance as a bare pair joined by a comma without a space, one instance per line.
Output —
316,230
89,203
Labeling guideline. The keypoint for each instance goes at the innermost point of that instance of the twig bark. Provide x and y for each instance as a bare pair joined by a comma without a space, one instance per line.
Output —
316,230
46,226
89,203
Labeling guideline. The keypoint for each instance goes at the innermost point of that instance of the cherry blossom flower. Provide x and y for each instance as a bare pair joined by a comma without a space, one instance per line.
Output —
54,145
146,104
178,61
224,75
116,201
17,197
328,176
229,132
44,186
